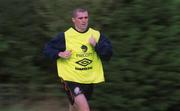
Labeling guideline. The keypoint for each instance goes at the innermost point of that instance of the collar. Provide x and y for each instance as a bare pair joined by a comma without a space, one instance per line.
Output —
79,31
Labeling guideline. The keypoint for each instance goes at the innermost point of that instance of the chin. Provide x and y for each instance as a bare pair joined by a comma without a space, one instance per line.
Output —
84,28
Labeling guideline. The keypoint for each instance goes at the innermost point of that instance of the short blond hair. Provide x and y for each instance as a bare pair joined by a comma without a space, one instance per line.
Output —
78,10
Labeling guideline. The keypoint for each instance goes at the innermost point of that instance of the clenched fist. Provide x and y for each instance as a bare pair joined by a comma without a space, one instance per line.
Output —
66,54
92,41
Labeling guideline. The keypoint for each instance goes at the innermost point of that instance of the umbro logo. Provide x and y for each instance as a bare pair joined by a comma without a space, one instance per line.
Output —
84,62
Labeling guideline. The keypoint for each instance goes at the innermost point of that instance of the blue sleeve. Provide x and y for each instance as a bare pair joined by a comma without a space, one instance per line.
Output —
104,48
54,46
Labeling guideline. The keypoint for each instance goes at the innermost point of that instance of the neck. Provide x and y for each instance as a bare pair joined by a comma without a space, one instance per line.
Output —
81,31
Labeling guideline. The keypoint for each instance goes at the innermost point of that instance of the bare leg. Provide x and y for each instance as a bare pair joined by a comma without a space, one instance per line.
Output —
72,108
80,104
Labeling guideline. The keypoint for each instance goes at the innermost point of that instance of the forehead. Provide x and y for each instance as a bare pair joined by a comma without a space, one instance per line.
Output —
81,14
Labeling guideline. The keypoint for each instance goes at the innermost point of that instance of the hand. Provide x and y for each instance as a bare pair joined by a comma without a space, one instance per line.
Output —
92,41
66,54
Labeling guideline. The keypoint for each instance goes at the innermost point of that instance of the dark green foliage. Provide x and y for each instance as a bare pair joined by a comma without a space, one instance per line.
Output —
144,73
22,34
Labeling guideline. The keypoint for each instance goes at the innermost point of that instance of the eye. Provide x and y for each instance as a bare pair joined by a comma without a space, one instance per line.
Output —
82,18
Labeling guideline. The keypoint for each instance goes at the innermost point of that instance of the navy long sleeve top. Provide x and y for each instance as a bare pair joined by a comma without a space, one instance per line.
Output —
57,44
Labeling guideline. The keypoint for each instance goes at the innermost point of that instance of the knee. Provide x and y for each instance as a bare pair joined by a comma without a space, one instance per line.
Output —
86,109
83,108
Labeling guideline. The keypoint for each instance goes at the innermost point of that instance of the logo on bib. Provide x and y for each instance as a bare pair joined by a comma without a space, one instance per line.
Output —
84,48
84,62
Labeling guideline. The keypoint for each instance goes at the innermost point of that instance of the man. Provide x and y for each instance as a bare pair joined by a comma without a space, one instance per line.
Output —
78,52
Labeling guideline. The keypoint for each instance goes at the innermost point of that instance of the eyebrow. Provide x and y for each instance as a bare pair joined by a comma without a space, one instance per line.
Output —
83,17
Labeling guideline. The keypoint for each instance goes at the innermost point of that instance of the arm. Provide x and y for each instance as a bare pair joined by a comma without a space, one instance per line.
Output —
104,48
56,45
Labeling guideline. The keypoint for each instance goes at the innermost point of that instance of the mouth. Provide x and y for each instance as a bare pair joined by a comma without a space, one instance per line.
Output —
84,25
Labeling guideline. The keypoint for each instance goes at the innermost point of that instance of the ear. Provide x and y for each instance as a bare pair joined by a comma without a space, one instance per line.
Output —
73,19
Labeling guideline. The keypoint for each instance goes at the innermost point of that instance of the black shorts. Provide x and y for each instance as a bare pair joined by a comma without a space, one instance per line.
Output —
73,89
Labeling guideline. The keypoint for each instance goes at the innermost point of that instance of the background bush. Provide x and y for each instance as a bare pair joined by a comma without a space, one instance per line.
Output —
143,74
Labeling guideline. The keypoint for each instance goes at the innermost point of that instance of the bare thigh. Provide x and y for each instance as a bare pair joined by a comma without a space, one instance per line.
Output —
81,103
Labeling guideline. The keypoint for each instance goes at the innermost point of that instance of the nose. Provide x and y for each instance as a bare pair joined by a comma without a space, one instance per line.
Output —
83,20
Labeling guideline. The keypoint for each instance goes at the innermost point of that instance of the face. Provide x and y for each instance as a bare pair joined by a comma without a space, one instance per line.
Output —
81,21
